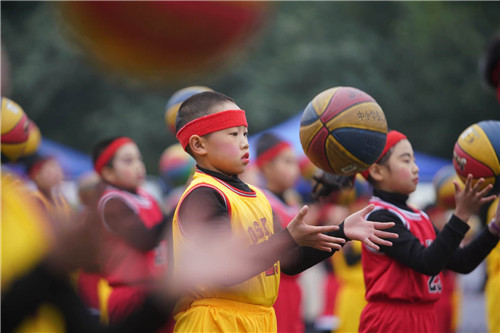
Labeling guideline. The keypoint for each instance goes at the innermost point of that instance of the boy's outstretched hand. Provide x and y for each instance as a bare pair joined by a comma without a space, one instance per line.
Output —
307,235
468,200
368,232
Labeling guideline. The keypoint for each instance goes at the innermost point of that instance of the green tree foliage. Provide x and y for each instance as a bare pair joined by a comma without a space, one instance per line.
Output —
419,60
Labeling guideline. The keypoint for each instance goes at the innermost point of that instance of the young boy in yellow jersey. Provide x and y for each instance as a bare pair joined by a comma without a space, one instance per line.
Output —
218,205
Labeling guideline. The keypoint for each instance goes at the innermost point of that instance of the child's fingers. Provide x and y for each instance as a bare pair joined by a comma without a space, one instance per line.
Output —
381,241
367,209
325,229
468,182
383,225
386,234
478,185
369,243
485,190
330,239
302,212
457,187
487,199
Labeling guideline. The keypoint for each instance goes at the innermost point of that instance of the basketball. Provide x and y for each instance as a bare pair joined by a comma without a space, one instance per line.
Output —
15,129
444,188
343,130
34,139
163,41
176,166
477,152
175,102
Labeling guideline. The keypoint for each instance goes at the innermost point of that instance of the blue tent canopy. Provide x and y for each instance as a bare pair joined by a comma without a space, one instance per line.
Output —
289,130
73,162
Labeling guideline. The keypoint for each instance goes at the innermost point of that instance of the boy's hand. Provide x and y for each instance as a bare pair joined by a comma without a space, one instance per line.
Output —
368,232
312,236
470,198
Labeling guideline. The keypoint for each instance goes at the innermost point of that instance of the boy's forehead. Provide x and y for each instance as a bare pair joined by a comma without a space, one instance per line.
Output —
228,105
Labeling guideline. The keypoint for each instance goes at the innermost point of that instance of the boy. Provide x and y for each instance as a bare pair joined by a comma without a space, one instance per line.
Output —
217,204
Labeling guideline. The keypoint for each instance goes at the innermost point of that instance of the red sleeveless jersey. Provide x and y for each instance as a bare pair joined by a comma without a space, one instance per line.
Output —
389,280
122,263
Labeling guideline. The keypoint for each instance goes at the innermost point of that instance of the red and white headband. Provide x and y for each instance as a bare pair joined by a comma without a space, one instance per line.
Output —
211,123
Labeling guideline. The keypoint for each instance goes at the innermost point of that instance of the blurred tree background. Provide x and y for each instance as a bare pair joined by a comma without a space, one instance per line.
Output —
419,60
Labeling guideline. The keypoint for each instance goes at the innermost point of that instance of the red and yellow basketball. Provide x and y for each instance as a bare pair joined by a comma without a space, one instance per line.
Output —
343,130
15,129
477,151
34,139
175,102
444,188
164,41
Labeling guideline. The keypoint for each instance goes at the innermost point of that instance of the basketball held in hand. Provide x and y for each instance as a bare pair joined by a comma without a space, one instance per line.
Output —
477,151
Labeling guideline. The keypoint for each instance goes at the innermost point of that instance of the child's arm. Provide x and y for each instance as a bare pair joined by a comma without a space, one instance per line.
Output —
433,259
354,227
466,259
121,220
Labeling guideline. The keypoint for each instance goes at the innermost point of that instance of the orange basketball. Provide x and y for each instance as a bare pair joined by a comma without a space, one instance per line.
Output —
163,40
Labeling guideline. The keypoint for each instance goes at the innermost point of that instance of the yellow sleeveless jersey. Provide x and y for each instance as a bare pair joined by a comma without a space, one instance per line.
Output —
26,239
251,216
351,294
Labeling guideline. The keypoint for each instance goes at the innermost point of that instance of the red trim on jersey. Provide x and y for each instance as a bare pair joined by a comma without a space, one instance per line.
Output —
232,188
108,153
211,123
224,197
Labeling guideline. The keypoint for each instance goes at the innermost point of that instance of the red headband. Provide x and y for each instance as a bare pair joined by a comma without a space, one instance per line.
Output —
211,123
271,153
37,166
393,137
108,153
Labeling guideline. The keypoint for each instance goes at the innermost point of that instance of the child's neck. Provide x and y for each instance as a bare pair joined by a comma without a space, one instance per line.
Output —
123,188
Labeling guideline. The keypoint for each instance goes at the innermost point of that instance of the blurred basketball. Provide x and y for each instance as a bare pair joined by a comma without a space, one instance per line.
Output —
307,168
176,166
15,129
343,130
34,139
163,40
444,188
477,152
175,102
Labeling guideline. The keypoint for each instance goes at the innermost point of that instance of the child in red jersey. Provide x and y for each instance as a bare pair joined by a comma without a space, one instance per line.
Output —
279,166
404,281
133,249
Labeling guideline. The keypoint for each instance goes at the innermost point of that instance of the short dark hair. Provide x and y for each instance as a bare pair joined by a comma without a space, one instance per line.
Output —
197,106
99,148
267,141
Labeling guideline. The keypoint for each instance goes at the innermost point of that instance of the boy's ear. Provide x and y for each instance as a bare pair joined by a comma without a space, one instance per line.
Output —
197,145
376,172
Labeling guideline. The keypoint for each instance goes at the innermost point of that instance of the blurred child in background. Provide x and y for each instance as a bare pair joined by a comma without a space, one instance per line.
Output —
279,167
133,249
47,174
